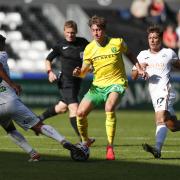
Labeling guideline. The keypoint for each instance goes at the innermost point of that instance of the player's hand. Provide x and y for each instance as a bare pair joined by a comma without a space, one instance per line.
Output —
142,71
77,71
16,87
143,74
52,76
143,66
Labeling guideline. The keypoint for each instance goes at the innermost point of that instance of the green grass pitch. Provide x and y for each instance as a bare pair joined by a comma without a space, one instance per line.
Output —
132,163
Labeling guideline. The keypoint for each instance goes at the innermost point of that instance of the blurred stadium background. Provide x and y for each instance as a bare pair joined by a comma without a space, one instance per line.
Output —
32,27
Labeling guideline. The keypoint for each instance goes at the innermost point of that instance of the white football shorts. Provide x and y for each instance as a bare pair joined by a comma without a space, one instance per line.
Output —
164,100
17,111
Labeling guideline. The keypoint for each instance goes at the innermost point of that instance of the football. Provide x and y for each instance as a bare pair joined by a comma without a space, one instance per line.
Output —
82,154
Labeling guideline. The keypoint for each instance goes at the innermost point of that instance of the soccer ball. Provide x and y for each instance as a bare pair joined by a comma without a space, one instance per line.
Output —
82,154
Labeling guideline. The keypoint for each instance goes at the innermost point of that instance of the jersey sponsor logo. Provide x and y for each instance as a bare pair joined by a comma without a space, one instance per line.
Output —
2,89
104,57
65,47
157,65
113,49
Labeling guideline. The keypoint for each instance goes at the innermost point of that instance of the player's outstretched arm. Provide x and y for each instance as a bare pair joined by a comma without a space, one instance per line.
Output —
134,61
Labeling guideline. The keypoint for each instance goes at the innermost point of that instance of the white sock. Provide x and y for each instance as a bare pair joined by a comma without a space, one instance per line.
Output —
161,131
51,132
20,140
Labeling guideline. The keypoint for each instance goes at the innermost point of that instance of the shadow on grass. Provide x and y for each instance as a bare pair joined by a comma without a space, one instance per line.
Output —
15,166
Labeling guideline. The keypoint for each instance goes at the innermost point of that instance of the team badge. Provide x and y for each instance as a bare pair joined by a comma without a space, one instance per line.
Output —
113,49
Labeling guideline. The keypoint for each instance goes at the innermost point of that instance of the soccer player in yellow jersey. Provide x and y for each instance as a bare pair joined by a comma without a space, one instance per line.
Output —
104,55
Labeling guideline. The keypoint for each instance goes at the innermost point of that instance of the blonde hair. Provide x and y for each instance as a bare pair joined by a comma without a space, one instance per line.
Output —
71,24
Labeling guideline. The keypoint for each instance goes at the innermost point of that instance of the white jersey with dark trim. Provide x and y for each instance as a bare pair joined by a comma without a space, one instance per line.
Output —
159,67
6,92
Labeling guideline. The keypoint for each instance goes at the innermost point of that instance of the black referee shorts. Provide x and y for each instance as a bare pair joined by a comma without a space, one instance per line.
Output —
69,90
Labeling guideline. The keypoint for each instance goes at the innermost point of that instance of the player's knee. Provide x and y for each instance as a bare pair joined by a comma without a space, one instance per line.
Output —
10,128
160,122
37,128
110,106
61,108
81,113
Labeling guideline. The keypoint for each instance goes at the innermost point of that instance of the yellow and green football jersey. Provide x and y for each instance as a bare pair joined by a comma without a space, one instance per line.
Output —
107,62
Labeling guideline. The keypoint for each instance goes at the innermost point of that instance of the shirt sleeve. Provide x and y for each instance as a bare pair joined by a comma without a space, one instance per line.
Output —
86,57
123,46
54,52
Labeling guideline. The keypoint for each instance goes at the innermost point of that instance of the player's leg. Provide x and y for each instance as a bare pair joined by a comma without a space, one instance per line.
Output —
28,120
70,97
72,117
110,105
53,111
83,110
112,95
161,130
20,140
162,102
51,132
170,119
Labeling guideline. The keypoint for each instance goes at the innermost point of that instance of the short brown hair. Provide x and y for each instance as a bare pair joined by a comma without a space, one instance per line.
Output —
71,24
155,28
99,21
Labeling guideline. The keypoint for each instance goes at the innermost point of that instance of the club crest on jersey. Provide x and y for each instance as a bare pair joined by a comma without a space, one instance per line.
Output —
113,49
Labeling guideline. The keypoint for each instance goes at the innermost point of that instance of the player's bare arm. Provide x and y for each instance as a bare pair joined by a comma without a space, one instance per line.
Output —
6,78
81,72
135,74
134,61
51,75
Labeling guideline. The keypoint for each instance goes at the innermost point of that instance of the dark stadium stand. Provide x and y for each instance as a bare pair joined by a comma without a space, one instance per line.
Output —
133,32
29,36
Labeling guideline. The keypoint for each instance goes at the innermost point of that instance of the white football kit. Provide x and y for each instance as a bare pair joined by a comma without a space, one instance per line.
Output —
11,107
158,69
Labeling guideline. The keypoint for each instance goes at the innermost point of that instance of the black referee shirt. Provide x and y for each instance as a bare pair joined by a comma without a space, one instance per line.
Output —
70,54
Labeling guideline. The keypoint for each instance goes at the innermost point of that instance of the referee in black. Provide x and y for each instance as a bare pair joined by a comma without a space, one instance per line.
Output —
70,53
